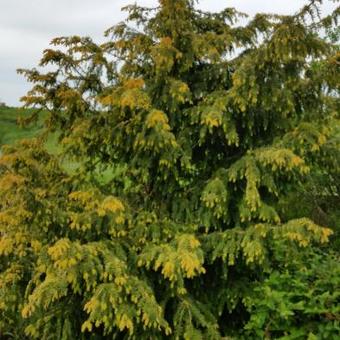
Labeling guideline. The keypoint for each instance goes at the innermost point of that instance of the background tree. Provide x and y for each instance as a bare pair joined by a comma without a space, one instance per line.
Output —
204,129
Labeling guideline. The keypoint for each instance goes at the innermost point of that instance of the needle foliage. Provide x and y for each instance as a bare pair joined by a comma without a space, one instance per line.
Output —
205,129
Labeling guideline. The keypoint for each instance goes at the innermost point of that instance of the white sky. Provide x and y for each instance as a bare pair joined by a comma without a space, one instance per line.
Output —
27,27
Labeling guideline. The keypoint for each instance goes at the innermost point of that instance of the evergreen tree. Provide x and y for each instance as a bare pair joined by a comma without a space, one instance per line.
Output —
203,130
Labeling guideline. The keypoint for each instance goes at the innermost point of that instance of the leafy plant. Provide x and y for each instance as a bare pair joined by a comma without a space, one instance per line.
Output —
298,303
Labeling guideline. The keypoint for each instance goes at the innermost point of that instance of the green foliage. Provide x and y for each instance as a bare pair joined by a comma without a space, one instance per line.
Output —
207,131
306,293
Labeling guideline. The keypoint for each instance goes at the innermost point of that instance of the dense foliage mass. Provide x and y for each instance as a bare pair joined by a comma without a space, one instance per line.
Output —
222,147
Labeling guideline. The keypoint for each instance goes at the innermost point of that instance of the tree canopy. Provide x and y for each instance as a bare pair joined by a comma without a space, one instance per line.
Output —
193,136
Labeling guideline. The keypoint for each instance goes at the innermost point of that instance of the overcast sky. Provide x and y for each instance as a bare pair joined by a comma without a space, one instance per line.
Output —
27,27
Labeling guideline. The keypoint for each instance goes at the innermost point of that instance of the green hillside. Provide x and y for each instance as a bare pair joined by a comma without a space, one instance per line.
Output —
10,131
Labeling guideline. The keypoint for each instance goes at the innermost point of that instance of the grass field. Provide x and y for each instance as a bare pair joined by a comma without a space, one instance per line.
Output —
11,131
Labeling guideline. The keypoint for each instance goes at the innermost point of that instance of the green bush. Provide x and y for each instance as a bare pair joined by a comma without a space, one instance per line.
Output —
298,302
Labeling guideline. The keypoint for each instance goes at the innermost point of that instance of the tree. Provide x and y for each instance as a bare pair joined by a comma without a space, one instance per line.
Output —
203,129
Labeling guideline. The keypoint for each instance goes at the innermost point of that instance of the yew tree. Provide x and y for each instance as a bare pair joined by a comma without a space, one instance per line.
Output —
188,131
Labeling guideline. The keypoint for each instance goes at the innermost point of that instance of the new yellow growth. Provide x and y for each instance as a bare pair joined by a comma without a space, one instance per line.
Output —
10,180
166,41
212,119
6,246
156,117
136,83
169,270
111,204
86,326
135,98
7,219
297,161
194,243
123,321
120,280
325,234
191,265
86,198
36,246
59,249
295,236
